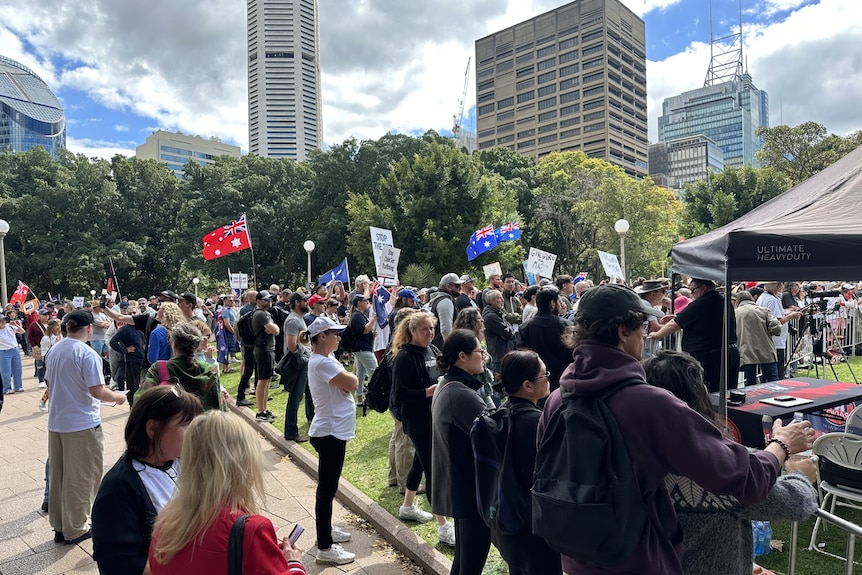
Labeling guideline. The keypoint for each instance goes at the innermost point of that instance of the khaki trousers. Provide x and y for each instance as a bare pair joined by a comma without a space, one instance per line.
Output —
75,474
400,454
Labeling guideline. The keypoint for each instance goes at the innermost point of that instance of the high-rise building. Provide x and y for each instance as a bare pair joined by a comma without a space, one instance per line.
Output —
30,113
573,78
284,102
176,149
678,162
727,113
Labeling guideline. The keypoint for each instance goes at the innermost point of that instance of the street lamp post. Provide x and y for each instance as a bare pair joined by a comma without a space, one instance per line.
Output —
196,281
309,247
4,229
92,295
621,227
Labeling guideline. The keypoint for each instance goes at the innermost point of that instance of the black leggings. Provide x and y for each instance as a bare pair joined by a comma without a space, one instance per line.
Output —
330,456
421,462
247,371
472,542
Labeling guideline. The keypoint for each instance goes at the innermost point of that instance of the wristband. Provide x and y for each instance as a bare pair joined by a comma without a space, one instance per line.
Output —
783,446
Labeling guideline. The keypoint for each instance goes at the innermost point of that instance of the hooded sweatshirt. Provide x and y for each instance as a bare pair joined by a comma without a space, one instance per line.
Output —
663,435
195,377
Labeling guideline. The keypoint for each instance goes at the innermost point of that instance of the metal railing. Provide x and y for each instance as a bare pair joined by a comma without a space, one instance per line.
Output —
846,325
853,531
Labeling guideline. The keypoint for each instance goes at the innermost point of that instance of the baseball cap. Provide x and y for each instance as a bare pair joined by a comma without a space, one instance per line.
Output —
322,324
316,299
77,318
168,294
264,294
609,301
189,297
295,297
43,311
408,293
466,278
450,278
356,298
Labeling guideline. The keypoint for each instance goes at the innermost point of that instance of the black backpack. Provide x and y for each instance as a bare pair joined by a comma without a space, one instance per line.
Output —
243,330
380,386
348,338
504,505
586,500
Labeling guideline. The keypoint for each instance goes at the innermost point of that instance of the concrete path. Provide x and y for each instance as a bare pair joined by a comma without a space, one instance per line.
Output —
26,539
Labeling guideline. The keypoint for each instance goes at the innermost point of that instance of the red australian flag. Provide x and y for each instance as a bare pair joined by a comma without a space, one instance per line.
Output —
227,239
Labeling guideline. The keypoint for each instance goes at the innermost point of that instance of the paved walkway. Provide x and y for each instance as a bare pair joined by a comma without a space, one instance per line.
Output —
26,539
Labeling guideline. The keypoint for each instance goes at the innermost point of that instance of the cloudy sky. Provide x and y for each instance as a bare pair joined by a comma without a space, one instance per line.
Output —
125,68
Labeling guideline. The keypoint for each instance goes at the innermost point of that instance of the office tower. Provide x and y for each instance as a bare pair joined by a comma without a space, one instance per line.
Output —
728,109
176,149
678,162
284,101
573,78
30,113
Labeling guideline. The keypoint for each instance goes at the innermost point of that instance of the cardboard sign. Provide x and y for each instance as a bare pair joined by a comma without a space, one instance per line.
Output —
30,306
238,281
78,301
492,269
380,238
611,265
541,263
387,263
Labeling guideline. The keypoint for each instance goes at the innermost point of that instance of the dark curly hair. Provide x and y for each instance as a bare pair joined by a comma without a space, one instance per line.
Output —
588,330
682,375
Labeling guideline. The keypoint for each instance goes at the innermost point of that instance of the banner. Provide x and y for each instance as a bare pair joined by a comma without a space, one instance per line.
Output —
611,265
492,269
541,263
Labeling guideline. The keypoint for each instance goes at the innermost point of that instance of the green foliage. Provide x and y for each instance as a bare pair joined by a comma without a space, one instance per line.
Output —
725,196
419,275
801,151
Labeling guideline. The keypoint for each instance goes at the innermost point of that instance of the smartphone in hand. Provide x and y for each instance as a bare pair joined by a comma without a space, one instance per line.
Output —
295,533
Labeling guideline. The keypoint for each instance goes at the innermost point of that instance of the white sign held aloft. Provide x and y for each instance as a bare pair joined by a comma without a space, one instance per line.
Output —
78,301
492,269
387,264
238,281
541,263
611,265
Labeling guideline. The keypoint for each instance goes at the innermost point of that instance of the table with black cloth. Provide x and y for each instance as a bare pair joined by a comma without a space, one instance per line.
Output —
831,403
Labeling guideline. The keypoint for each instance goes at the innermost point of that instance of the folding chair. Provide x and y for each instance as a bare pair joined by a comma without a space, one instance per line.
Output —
854,422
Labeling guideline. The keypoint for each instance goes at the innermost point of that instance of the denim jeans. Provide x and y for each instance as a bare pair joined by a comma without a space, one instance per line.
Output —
291,412
366,363
10,369
40,370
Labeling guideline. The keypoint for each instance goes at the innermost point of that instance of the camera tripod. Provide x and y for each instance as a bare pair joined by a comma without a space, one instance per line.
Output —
821,334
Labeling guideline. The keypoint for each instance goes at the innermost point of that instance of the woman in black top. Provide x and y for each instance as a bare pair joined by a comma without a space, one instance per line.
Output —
524,378
414,379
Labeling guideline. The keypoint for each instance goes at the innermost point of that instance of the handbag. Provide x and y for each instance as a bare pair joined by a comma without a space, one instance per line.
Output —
234,546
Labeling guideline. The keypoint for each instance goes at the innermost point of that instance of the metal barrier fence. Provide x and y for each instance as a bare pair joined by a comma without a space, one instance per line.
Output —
853,531
839,333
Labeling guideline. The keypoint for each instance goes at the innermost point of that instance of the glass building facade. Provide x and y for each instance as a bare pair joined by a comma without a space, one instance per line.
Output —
30,113
678,162
728,114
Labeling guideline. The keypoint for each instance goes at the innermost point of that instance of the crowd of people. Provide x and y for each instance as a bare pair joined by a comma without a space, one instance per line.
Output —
452,351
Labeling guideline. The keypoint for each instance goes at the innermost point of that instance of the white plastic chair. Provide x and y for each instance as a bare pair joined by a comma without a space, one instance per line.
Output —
854,421
839,484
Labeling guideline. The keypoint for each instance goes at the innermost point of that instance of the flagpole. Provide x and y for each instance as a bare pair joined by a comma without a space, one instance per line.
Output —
347,269
251,247
116,283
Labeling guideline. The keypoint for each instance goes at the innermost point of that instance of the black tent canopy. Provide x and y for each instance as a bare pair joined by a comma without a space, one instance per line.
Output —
813,230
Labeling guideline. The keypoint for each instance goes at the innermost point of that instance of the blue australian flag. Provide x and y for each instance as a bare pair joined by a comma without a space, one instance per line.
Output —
338,273
381,296
481,241
509,232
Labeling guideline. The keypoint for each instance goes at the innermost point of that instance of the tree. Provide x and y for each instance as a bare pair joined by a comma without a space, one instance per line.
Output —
727,195
801,151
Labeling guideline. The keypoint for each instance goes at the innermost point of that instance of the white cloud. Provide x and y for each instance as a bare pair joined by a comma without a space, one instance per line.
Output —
121,128
100,148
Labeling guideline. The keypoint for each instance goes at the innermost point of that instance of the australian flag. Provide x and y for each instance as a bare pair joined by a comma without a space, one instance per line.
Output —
481,241
381,296
338,273
509,232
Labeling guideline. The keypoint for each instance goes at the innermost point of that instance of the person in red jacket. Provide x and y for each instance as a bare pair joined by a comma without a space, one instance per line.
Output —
36,330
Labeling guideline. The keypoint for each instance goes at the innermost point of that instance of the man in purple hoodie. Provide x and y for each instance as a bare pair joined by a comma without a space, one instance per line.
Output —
662,434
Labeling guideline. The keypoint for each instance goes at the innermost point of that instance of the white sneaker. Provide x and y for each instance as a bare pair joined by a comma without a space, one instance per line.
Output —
43,405
339,536
42,385
446,534
413,513
335,555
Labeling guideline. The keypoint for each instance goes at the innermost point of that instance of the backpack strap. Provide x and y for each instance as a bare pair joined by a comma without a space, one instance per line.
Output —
164,376
234,547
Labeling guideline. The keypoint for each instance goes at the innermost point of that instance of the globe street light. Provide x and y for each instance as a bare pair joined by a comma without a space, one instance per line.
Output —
309,247
621,227
196,281
4,229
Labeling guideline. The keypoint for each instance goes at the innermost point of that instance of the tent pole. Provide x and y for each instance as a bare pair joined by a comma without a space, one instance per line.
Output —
725,360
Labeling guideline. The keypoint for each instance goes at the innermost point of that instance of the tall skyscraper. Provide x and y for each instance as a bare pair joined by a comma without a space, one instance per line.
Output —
573,78
30,113
284,101
678,162
728,109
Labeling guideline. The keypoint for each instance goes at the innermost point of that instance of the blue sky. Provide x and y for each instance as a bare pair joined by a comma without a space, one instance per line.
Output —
123,70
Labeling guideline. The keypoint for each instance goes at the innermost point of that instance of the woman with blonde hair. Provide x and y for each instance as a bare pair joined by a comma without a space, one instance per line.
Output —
221,481
168,316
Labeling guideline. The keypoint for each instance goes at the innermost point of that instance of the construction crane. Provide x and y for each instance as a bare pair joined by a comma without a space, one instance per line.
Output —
458,118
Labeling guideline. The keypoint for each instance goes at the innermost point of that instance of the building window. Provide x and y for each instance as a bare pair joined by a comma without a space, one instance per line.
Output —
547,76
568,70
486,109
545,116
526,96
506,102
569,97
549,103
525,71
546,51
545,90
545,64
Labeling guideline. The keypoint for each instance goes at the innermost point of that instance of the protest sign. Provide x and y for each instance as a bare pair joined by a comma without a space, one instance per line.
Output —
611,265
238,281
492,269
541,263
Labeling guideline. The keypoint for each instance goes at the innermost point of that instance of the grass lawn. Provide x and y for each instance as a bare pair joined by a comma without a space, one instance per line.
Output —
366,468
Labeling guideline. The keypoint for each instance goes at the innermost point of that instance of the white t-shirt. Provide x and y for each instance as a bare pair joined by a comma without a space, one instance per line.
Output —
334,409
98,332
773,304
72,368
7,338
160,483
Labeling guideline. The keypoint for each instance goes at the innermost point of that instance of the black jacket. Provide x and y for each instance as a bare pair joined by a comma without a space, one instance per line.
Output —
543,334
129,336
412,373
498,333
123,517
